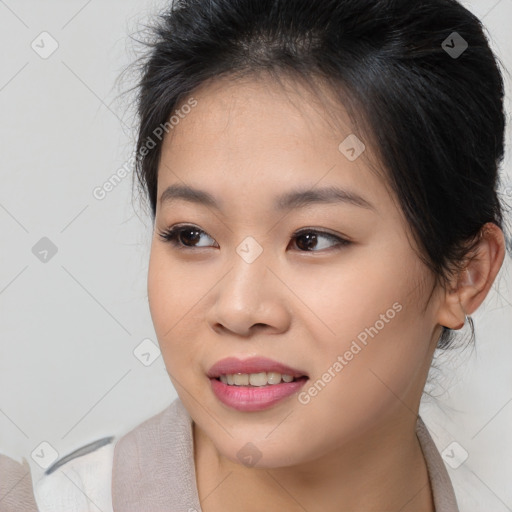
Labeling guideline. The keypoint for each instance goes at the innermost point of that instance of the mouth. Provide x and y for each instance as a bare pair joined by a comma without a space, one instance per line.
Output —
254,384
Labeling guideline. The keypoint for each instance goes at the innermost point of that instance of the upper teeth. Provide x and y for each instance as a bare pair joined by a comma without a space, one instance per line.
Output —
255,379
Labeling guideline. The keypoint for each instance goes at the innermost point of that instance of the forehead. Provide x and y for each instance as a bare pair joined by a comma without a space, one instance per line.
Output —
256,134
262,107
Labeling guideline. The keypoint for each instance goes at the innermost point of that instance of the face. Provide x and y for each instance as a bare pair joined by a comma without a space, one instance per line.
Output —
333,289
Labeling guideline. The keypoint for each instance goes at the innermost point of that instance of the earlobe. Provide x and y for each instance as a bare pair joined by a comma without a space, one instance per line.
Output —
452,314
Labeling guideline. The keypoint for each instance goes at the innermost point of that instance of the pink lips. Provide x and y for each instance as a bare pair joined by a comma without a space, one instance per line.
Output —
253,398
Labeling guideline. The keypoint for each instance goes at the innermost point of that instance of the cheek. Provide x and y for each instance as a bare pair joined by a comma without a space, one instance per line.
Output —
372,332
340,302
358,384
171,298
173,291
162,292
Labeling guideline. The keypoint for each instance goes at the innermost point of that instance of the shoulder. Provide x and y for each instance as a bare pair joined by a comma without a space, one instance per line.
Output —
154,464
170,428
79,481
442,488
16,493
147,436
82,480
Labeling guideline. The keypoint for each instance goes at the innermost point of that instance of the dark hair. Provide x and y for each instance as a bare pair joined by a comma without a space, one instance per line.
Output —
431,108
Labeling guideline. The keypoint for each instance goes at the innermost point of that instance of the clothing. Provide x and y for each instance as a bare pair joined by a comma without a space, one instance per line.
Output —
15,486
151,469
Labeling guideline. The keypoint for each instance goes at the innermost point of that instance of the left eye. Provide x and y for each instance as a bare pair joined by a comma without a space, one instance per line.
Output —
309,238
187,237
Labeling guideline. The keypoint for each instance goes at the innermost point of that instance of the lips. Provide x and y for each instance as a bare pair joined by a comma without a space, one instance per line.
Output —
233,365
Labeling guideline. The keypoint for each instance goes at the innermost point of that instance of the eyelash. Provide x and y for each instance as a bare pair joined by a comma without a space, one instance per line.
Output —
172,236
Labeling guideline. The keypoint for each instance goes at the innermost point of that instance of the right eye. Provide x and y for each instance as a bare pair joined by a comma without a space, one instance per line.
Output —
184,236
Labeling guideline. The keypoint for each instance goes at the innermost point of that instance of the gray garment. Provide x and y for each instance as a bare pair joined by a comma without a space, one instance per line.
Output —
153,467
15,486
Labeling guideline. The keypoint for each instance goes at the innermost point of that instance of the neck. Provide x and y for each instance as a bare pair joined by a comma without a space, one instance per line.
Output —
382,469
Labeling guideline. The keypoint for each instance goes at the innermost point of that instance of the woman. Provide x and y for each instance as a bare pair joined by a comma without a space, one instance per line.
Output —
322,179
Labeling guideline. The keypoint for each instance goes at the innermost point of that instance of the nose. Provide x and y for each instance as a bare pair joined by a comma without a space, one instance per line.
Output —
250,298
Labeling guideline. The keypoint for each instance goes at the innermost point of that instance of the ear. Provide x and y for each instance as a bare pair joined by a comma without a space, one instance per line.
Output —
468,289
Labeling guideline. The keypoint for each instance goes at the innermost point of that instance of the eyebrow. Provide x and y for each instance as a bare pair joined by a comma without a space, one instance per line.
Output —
298,198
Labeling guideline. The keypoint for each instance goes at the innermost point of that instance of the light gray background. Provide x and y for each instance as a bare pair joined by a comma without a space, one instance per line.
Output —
69,326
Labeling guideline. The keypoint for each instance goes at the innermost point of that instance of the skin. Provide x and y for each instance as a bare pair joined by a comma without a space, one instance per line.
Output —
353,447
